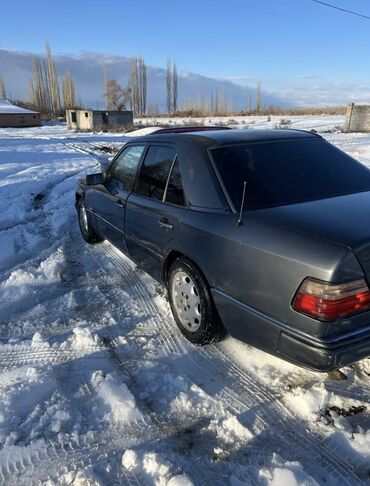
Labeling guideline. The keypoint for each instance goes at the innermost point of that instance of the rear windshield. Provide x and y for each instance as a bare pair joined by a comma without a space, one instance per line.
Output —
279,173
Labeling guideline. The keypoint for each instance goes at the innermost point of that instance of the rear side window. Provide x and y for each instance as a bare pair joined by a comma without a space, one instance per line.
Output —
125,166
289,172
175,192
154,171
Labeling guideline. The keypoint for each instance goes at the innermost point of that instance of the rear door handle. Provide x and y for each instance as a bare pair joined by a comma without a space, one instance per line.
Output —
120,203
165,224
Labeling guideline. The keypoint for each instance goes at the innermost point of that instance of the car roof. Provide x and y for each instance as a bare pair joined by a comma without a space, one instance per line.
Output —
224,137
187,129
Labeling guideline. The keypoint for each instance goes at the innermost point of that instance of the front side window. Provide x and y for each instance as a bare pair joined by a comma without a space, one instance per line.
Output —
154,171
288,172
175,192
122,173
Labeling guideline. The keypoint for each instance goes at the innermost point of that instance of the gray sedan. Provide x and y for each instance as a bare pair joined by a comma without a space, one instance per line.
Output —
264,234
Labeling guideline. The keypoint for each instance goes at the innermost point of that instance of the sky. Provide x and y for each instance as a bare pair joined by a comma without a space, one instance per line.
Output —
293,47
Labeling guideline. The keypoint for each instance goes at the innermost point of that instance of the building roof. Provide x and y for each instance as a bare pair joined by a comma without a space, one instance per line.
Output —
8,108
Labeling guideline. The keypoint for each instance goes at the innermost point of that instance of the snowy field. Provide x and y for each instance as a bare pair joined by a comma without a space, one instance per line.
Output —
97,385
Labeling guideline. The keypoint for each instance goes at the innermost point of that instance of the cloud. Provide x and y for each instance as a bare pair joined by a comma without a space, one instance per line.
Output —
87,69
311,89
305,89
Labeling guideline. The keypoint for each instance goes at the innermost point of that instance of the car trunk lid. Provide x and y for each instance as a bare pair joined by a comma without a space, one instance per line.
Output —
342,220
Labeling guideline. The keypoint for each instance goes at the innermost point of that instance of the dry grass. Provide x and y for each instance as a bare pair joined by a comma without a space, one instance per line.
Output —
268,111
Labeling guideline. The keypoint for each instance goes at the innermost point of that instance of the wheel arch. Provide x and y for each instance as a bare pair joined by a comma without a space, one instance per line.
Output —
171,256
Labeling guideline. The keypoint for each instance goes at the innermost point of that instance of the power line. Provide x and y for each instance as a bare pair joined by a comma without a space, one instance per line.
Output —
343,9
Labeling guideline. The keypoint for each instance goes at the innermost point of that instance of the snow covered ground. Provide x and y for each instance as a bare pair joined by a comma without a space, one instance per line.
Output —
97,385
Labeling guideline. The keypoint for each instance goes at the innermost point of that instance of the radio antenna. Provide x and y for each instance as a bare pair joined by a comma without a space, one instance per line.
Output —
239,222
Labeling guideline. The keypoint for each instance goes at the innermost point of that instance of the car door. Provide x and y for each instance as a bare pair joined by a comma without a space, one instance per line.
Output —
110,197
152,208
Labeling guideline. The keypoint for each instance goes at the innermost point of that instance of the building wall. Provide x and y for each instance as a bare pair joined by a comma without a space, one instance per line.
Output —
19,120
79,119
108,119
97,119
357,118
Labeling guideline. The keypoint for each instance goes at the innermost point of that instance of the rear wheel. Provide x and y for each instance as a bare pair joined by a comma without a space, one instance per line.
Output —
88,234
192,304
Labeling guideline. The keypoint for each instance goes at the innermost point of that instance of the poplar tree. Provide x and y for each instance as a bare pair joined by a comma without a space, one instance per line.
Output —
169,86
2,88
138,85
38,89
69,94
52,82
174,87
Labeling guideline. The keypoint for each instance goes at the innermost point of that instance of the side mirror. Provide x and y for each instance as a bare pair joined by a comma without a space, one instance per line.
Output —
93,179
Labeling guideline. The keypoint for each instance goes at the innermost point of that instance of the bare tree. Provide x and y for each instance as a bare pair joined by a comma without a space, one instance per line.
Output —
174,87
52,81
220,102
249,104
259,98
153,110
169,86
105,75
129,94
38,92
142,85
2,88
69,95
116,96
134,85
138,86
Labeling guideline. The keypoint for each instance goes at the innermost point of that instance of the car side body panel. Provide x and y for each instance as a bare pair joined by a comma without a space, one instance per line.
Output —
150,227
253,269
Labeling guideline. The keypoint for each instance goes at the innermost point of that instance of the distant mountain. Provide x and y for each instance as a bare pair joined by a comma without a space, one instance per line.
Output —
87,70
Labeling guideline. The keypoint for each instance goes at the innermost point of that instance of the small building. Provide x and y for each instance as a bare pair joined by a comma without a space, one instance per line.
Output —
357,118
17,117
98,119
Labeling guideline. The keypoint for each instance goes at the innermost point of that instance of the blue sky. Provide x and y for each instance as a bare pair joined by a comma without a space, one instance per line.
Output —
288,44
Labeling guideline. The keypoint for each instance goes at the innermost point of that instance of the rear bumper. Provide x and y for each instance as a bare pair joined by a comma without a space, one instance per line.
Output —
263,332
324,357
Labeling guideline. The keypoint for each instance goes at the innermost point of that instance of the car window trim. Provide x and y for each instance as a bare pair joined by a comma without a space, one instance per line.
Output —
176,159
220,181
168,178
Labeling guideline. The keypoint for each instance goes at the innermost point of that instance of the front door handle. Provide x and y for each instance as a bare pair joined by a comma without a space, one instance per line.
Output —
120,203
165,224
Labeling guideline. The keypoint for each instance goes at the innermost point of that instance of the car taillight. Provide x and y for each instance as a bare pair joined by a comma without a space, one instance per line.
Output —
328,302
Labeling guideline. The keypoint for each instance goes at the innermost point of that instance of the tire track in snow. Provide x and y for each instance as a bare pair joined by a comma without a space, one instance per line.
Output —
59,456
22,355
248,391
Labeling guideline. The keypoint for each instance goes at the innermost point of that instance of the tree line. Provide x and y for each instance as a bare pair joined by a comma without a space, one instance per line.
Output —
45,95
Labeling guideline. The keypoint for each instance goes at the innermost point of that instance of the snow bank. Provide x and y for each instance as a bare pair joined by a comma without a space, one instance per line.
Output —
130,460
81,338
156,467
19,399
48,271
285,473
119,401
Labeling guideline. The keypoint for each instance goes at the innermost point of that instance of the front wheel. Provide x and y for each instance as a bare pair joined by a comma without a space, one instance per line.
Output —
88,234
192,304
